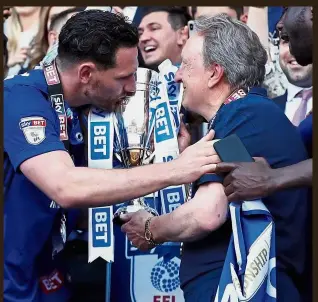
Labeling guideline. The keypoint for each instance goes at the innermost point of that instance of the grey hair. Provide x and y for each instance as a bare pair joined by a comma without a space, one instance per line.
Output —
234,46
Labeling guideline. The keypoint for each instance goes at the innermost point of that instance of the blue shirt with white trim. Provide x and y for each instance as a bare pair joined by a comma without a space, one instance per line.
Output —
266,132
32,272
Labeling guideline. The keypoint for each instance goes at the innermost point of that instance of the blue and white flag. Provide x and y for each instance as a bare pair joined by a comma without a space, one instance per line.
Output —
100,156
249,271
167,124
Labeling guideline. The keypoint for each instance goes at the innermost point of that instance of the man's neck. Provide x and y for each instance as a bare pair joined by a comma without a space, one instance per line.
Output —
67,82
214,101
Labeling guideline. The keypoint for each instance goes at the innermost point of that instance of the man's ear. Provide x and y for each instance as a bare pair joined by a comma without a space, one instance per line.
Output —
52,37
85,71
216,73
243,18
183,36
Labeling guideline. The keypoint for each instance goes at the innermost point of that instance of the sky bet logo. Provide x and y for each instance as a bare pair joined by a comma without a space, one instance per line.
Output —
101,227
163,123
100,140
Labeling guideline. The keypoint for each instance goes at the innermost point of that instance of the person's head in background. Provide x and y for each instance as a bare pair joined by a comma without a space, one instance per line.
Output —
298,31
162,34
57,22
27,35
23,19
55,10
232,11
296,74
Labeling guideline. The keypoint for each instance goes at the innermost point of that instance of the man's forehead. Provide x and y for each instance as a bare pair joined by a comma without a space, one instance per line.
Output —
154,17
126,60
193,47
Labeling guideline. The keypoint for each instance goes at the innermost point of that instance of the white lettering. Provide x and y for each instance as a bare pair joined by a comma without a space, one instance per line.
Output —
101,227
99,130
172,207
100,217
56,278
173,197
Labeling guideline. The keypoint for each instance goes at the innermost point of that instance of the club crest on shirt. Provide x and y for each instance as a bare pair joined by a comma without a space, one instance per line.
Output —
33,129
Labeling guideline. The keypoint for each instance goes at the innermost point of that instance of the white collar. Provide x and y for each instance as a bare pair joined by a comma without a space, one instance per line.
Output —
292,91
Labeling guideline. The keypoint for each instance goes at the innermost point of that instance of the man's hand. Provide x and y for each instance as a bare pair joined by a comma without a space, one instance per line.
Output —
134,227
247,181
195,161
184,138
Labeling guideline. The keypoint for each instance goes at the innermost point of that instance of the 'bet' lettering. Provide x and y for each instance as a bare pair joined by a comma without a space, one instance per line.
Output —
173,197
51,283
161,122
101,228
100,140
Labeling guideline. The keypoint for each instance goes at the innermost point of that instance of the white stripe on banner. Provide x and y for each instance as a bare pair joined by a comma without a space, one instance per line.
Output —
166,131
254,205
100,156
235,236
253,232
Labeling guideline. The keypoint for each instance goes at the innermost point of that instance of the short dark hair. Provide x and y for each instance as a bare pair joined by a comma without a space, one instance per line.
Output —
178,16
59,18
95,35
239,10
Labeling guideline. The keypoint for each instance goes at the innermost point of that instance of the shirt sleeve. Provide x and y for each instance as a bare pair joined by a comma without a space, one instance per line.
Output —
264,130
31,127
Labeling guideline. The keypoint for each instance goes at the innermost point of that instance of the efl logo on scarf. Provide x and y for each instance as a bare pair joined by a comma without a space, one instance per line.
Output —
100,156
249,271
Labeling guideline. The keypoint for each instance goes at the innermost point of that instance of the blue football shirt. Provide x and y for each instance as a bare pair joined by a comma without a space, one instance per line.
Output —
32,221
266,132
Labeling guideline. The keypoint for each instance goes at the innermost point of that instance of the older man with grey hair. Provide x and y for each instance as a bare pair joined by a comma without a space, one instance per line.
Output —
222,65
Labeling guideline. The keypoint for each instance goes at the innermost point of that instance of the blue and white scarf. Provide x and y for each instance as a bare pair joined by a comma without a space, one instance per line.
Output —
249,271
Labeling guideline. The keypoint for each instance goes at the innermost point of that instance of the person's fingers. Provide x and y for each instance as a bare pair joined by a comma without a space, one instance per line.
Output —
227,180
208,168
126,217
186,29
225,167
208,137
233,197
228,190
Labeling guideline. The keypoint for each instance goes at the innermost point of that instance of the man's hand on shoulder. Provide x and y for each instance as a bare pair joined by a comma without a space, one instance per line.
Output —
247,181
195,161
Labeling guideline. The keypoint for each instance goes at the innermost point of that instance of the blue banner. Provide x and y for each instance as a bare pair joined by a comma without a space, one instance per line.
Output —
249,271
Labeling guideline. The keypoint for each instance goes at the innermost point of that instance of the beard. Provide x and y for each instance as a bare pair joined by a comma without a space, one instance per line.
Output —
108,104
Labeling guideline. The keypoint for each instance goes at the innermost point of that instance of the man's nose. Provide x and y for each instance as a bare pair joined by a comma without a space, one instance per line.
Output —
145,36
130,87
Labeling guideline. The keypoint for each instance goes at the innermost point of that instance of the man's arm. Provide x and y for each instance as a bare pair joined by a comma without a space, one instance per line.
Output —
189,222
54,174
247,181
195,219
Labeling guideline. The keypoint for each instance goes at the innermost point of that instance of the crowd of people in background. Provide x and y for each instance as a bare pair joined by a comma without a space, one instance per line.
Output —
31,31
